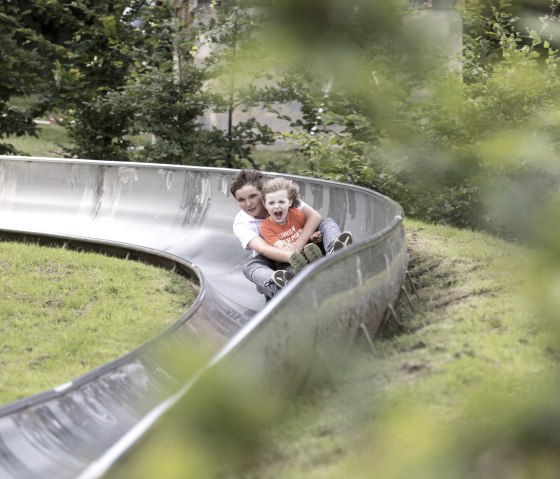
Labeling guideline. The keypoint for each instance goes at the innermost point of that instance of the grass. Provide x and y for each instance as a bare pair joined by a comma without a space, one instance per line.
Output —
456,394
463,386
64,313
50,137
49,142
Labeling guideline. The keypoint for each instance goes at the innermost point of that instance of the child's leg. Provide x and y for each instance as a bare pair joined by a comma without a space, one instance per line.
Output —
330,231
259,270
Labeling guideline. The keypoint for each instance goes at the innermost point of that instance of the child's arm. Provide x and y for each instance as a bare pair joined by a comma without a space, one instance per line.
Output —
282,245
312,221
259,245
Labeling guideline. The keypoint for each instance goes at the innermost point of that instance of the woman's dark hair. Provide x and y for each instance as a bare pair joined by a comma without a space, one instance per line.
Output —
246,177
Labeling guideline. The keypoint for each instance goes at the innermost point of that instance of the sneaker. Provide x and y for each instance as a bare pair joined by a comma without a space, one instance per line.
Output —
282,277
297,261
312,252
343,240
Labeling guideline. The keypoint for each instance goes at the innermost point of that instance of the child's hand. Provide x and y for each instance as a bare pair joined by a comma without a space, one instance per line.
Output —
316,237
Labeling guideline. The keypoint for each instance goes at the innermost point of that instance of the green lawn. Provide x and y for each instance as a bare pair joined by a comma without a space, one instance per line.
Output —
64,313
49,142
52,138
459,394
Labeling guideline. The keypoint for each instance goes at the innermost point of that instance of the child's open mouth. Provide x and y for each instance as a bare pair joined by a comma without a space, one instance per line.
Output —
277,215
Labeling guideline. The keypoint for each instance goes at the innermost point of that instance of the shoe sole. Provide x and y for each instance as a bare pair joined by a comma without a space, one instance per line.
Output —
312,252
343,240
297,261
282,278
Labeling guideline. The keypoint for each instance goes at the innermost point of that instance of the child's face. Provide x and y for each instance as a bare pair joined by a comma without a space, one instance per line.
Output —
277,204
249,200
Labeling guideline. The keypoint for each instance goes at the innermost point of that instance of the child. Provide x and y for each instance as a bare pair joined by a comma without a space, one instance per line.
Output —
285,221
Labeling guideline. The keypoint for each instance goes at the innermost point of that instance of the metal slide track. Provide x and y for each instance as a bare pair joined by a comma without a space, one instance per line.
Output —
181,217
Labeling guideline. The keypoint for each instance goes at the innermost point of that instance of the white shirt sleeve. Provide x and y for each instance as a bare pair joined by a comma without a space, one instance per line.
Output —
245,228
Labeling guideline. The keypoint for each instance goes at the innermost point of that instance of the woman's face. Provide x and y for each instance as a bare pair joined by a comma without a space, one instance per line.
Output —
249,200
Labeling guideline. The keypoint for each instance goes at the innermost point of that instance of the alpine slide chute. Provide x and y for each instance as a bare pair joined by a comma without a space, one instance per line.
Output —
180,217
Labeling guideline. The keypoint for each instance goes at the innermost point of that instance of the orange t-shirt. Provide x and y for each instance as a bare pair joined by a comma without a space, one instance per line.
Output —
288,232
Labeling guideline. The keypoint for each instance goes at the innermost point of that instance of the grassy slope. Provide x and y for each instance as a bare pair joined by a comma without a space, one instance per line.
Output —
64,313
447,398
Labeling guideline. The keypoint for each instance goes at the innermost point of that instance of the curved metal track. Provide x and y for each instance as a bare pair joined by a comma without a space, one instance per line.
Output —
181,217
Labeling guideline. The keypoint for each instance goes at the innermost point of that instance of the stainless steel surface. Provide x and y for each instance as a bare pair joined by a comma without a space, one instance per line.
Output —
181,217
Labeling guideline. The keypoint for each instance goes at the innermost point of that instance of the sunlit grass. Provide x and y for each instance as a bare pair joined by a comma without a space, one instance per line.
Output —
463,384
49,142
64,313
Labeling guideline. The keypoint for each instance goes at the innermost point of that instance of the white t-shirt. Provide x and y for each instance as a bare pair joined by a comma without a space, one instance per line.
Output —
246,227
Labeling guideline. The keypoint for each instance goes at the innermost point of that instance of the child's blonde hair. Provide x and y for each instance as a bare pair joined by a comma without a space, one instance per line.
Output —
278,184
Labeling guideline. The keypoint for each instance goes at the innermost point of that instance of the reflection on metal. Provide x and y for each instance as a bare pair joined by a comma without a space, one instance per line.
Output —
180,217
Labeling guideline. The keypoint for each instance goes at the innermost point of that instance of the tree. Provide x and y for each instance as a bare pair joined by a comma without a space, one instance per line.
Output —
462,151
170,111
24,65
108,43
238,78
75,54
116,69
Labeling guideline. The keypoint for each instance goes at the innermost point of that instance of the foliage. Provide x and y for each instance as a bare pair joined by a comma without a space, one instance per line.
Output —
237,73
109,42
88,52
170,100
404,124
23,74
168,110
379,105
464,386
125,68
